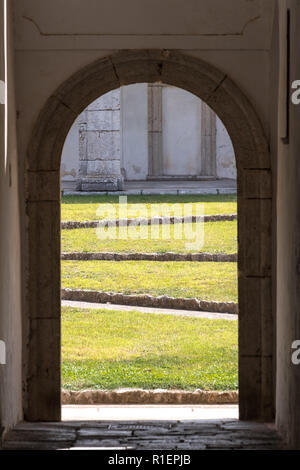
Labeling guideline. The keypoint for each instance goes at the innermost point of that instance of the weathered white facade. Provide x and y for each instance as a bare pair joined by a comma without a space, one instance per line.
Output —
139,132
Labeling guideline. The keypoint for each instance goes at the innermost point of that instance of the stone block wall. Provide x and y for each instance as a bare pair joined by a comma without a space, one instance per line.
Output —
145,131
100,152
98,143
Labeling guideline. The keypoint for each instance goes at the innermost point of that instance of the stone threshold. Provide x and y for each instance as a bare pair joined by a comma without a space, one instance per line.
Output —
145,300
175,432
148,397
73,224
169,256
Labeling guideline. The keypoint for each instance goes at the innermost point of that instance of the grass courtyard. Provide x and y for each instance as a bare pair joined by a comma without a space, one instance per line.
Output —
108,349
104,349
219,237
206,281
82,208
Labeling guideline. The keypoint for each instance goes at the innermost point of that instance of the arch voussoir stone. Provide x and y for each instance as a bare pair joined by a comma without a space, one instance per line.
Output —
43,219
248,140
49,136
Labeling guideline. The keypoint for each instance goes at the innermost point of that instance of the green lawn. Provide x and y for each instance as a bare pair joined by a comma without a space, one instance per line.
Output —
206,281
219,237
85,207
112,349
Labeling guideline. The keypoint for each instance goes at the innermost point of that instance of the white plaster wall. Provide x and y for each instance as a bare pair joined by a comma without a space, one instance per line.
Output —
225,158
181,132
134,116
116,127
10,240
288,235
57,40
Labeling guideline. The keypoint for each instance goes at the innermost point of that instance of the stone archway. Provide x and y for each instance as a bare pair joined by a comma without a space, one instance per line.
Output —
42,325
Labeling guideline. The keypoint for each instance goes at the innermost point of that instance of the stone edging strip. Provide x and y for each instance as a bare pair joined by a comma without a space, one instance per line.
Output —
143,300
208,257
69,225
148,397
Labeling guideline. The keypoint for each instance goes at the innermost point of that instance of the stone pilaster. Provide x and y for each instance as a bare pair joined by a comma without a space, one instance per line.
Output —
99,145
155,129
208,141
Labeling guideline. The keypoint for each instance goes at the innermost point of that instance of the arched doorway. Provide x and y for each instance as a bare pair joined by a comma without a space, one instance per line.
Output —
42,340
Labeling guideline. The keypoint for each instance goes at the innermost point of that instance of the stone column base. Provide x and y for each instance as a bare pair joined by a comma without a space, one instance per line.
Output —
103,183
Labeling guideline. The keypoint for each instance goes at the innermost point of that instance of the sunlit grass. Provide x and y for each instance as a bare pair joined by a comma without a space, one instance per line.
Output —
114,349
219,237
82,208
206,281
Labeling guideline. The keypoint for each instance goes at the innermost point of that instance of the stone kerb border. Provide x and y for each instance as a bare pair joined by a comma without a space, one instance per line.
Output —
169,256
73,224
144,300
148,397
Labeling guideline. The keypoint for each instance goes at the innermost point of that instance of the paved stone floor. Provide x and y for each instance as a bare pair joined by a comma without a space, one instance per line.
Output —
144,435
222,186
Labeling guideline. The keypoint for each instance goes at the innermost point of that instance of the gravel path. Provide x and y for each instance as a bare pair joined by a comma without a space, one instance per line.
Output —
129,308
